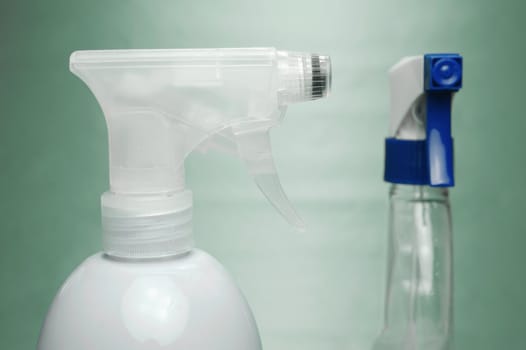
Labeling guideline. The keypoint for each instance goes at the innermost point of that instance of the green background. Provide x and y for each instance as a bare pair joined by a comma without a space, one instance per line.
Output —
318,290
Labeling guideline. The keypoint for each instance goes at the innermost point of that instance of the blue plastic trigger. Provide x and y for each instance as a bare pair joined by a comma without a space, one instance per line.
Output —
443,77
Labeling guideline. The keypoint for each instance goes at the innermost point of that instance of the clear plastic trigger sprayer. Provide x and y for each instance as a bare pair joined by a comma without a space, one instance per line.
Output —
150,288
160,105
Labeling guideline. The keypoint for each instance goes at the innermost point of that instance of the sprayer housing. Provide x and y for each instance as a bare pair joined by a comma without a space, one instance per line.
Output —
419,150
160,105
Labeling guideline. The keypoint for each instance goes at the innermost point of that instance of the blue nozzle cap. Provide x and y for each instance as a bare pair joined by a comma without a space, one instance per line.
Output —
442,77
443,72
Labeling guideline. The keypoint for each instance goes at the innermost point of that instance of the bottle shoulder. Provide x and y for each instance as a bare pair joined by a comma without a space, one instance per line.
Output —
165,302
195,261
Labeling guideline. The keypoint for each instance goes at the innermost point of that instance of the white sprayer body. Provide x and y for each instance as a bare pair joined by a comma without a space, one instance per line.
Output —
406,84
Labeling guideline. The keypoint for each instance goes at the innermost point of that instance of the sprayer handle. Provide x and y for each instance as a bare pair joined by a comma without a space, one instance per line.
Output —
255,150
442,78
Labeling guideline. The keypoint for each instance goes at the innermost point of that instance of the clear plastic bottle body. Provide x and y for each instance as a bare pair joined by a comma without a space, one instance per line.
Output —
418,298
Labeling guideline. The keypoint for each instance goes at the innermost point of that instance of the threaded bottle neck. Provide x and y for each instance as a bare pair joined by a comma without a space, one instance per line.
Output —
147,226
418,192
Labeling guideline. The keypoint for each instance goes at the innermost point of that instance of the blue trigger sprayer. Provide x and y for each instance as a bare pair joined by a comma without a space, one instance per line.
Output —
419,164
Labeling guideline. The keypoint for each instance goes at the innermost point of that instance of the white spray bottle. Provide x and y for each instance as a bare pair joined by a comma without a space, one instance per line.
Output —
150,289
419,164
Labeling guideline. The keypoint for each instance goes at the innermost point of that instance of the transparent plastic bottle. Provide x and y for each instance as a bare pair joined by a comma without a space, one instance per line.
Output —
418,298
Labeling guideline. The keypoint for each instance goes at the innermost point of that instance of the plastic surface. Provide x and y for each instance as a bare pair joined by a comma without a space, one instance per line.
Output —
160,105
179,303
418,298
421,93
406,162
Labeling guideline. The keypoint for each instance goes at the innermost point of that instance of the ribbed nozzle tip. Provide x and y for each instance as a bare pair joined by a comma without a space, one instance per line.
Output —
321,76
304,76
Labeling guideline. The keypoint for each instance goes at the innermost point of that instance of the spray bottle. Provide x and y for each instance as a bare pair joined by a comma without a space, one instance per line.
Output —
419,164
150,289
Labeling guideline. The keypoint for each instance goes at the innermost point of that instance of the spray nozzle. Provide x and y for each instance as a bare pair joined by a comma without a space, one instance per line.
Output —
420,149
160,105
